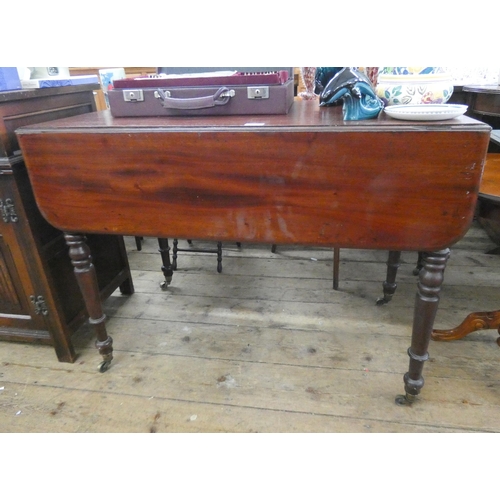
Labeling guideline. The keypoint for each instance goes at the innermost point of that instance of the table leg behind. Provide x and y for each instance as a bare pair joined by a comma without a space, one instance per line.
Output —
430,279
86,277
389,286
167,268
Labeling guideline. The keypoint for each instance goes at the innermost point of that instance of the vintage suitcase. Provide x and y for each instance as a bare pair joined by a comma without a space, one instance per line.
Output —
214,93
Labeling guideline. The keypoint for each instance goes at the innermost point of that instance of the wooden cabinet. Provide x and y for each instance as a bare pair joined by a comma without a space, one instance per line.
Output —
39,297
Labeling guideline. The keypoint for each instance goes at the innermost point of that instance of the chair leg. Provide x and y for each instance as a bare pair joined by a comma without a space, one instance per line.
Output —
336,265
174,254
175,249
138,242
420,264
219,256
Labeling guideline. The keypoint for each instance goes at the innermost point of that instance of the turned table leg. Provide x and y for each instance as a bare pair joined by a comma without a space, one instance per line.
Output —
430,279
389,286
167,268
86,277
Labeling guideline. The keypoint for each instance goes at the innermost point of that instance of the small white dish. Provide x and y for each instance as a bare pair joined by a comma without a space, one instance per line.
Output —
425,112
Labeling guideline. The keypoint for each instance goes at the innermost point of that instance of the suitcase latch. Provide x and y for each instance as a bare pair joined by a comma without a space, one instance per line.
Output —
166,93
258,92
133,95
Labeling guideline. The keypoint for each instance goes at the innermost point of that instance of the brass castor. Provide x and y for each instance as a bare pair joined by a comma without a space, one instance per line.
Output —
383,300
164,284
104,365
405,400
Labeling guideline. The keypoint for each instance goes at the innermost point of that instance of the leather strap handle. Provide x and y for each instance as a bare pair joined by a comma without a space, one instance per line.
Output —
210,101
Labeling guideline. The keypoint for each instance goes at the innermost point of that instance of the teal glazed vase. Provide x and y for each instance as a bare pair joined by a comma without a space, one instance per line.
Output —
414,85
353,88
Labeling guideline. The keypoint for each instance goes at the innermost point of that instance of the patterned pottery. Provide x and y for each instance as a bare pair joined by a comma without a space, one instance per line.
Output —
414,85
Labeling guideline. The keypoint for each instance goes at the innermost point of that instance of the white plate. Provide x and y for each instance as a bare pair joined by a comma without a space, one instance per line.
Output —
425,111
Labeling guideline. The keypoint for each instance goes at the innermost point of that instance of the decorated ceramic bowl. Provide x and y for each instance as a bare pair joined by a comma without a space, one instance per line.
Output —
414,85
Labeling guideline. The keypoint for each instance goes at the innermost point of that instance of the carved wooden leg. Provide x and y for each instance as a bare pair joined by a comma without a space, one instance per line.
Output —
430,279
167,268
81,259
389,286
487,320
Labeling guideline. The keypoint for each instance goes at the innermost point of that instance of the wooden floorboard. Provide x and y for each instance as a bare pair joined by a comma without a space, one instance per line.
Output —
267,346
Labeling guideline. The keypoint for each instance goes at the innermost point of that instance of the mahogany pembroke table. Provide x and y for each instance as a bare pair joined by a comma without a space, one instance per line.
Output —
307,177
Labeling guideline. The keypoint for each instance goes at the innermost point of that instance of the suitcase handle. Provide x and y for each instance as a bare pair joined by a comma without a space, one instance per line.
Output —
220,98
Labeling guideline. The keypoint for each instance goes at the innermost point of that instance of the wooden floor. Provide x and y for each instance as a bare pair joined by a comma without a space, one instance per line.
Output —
267,346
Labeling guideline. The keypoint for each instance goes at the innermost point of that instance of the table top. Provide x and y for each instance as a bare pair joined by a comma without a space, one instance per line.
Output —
307,177
303,115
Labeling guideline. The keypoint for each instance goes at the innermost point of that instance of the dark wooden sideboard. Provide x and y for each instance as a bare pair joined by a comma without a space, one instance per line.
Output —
39,297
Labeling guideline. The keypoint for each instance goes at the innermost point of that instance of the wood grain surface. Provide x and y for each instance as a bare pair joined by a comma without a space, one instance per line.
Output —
307,178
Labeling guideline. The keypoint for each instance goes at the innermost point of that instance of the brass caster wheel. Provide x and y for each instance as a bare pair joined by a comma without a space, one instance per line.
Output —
164,284
104,365
405,400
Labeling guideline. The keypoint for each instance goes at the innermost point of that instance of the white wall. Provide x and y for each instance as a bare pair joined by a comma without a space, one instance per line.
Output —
475,75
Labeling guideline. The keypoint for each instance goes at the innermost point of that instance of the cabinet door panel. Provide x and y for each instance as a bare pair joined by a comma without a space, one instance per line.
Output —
11,295
16,311
16,286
